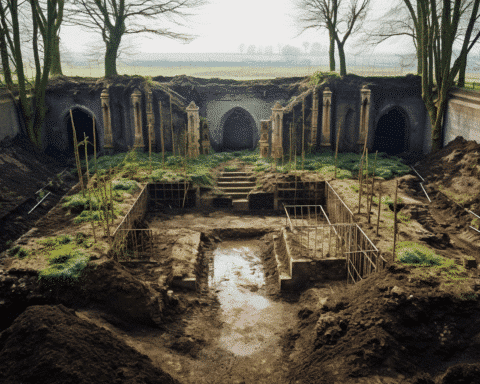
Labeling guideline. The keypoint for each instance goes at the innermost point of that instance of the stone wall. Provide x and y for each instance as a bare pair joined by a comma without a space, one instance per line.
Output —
9,121
463,116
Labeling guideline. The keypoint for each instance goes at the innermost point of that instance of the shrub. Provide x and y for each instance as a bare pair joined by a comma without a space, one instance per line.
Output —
125,185
419,257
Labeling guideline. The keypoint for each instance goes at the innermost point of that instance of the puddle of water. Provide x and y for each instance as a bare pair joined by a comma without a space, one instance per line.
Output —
250,320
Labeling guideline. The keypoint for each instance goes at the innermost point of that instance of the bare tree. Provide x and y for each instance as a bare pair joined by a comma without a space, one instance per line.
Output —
314,14
437,25
341,18
11,14
115,18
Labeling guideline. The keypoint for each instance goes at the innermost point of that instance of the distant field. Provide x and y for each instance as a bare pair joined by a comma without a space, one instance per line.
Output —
241,73
236,73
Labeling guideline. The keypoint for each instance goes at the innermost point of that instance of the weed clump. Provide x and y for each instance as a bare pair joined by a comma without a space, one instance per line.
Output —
64,266
18,251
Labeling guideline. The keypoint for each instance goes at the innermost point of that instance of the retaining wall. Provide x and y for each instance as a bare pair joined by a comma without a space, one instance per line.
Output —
463,116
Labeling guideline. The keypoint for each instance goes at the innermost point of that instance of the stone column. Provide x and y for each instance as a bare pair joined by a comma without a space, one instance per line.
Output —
107,120
277,139
264,138
137,118
313,138
365,94
326,117
205,135
150,120
193,131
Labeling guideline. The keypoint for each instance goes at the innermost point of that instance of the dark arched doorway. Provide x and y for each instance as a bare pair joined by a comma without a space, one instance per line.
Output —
238,130
83,125
391,133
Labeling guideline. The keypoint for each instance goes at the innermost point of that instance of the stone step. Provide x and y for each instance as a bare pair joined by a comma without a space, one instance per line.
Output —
228,190
240,184
230,179
237,195
235,174
240,204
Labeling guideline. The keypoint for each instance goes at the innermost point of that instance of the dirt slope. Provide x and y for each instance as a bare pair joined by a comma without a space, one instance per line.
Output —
50,344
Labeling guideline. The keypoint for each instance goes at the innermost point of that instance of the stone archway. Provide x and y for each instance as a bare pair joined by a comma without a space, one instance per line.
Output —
83,124
238,129
391,132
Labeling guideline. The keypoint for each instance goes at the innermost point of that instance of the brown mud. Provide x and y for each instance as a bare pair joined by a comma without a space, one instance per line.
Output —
398,326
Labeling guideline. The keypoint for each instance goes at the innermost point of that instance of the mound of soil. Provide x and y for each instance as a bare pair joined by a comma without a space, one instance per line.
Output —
456,170
50,344
391,326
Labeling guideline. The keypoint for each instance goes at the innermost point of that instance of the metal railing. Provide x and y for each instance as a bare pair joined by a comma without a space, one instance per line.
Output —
136,244
313,236
304,215
337,210
134,214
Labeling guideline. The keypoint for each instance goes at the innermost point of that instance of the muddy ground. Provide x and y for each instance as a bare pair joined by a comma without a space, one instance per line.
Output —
394,327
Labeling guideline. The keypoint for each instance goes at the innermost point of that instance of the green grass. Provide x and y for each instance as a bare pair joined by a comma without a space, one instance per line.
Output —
18,252
66,257
419,255
64,266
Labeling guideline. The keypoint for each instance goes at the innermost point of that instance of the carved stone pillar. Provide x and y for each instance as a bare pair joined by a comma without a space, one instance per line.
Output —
277,139
264,138
193,131
326,117
137,118
313,138
365,94
205,136
107,120
150,120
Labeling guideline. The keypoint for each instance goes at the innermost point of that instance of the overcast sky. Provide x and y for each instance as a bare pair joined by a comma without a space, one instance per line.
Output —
221,26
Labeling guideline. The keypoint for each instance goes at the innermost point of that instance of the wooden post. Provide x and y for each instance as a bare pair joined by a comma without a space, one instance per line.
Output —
303,134
171,126
94,144
77,156
360,183
162,140
373,184
379,205
86,157
395,221
336,149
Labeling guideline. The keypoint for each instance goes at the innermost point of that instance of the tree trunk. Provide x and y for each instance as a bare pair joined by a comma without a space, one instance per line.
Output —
111,60
7,74
331,52
461,74
341,55
56,67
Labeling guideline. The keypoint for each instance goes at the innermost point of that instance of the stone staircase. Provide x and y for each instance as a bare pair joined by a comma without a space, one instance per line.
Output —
237,185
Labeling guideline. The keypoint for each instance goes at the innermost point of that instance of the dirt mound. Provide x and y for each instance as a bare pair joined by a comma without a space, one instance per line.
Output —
115,289
50,344
455,171
389,325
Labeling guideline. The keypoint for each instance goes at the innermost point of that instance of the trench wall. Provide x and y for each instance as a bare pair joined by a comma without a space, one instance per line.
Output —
9,117
463,116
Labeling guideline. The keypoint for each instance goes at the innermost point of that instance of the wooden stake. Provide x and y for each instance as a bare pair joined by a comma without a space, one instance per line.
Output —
85,143
360,183
336,148
161,131
171,126
373,184
379,205
95,144
303,134
77,155
395,221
